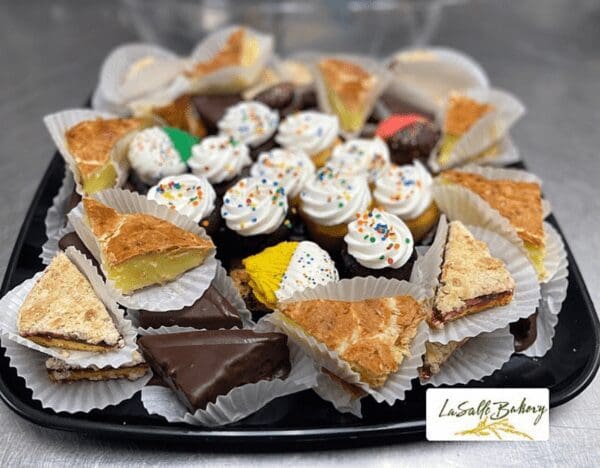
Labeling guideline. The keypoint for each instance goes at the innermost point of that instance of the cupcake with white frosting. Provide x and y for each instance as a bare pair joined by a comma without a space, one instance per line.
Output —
313,132
329,202
255,213
252,123
292,168
191,196
220,159
405,191
378,244
361,156
158,152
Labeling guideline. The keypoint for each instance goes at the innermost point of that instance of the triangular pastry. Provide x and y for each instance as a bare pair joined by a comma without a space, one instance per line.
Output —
92,144
139,250
436,355
63,311
471,279
519,202
373,335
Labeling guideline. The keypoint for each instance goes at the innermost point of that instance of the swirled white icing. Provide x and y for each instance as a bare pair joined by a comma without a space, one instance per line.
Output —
190,195
377,240
292,168
254,206
310,131
250,122
219,158
404,190
367,156
331,198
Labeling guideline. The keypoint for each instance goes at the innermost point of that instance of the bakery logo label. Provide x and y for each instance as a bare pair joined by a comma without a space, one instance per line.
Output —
488,414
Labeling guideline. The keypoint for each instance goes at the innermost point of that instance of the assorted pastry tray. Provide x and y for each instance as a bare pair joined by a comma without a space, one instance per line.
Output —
232,247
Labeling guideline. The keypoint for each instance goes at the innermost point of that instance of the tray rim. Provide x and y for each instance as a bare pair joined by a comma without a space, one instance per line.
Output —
183,434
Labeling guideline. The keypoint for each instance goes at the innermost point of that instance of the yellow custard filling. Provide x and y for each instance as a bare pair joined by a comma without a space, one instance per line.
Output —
536,255
154,268
448,144
101,179
350,120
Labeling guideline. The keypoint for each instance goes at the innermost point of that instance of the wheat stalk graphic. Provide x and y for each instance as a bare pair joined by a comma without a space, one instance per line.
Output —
485,428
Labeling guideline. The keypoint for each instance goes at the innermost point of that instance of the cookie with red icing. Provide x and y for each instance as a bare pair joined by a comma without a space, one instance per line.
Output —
408,136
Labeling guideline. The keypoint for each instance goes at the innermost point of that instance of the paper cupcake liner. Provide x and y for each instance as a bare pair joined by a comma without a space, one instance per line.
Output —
11,303
55,218
427,83
479,357
353,290
58,124
240,402
224,284
230,79
183,291
459,203
117,92
486,131
144,106
526,295
506,153
330,390
369,64
72,397
554,293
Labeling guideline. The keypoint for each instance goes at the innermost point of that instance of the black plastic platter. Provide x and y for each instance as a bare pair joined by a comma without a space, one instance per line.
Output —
303,419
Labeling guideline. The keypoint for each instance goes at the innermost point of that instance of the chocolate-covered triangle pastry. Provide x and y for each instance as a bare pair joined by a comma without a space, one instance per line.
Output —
525,332
212,312
73,240
202,365
211,108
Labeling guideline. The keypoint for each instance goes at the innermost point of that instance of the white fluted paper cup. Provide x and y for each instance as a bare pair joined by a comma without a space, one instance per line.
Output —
224,284
119,82
425,77
60,122
459,203
426,271
332,391
183,291
479,357
553,293
357,289
240,402
372,66
229,79
73,397
503,153
55,221
11,303
489,129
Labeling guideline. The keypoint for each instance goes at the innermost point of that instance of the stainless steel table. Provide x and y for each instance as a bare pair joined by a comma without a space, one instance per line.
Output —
544,51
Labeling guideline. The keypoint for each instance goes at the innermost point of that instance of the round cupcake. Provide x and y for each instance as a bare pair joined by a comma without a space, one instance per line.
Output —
157,152
313,132
378,244
409,137
292,168
190,195
221,159
405,191
255,213
361,156
277,272
252,123
329,202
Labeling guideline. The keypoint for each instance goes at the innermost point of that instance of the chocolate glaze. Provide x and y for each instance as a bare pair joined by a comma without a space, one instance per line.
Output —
73,240
199,366
212,311
351,268
415,141
211,108
525,332
281,97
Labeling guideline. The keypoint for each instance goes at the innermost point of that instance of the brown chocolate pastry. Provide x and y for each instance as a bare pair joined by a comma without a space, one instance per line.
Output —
351,268
281,97
211,108
212,312
73,240
241,280
202,365
409,137
308,99
238,246
525,332
72,202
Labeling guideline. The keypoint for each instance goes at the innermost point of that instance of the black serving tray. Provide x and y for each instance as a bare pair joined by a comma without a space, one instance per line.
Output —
302,420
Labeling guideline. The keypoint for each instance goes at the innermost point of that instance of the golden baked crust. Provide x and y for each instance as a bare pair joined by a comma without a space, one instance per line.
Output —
62,310
122,237
181,114
436,354
471,279
350,82
61,372
230,55
519,202
91,141
373,335
462,112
